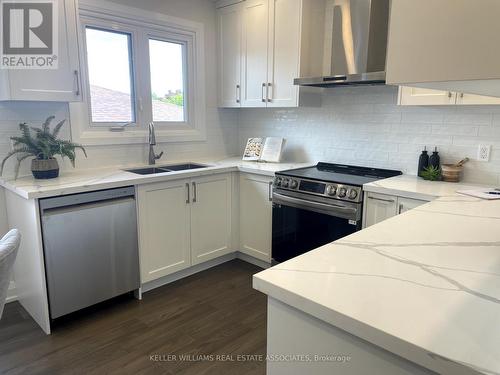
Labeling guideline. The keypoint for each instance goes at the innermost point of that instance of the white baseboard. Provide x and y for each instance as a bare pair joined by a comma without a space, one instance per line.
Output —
11,293
185,273
198,268
250,259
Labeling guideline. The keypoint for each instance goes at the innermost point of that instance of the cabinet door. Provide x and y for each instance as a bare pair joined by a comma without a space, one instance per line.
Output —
61,84
284,52
229,28
419,96
210,217
406,204
471,99
256,216
164,222
254,53
379,207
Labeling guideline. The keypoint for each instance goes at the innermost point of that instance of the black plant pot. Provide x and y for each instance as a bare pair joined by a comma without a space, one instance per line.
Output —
44,169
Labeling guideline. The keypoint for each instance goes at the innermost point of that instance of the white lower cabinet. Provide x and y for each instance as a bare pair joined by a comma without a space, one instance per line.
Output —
164,228
210,217
379,207
182,223
407,204
256,216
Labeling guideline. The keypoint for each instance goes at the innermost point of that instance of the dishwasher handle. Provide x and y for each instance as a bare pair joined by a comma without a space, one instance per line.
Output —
48,212
85,198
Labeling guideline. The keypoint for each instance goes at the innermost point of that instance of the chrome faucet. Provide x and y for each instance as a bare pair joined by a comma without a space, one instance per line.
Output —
152,142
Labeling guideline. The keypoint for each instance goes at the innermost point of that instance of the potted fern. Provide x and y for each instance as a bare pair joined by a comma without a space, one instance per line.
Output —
42,144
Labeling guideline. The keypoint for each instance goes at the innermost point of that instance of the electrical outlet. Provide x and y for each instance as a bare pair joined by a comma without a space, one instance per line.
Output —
483,152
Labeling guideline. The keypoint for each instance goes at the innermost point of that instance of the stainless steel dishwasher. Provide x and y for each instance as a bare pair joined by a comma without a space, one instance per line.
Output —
91,248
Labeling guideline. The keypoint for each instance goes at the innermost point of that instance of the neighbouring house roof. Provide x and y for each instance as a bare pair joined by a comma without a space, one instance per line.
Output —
114,106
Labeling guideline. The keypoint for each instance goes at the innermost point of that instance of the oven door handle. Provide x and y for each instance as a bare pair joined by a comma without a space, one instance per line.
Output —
330,209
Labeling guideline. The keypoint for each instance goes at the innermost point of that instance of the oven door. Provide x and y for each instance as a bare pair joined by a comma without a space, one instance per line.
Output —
301,225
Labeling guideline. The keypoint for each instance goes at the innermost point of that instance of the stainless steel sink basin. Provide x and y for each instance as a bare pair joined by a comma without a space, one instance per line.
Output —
183,167
151,170
166,168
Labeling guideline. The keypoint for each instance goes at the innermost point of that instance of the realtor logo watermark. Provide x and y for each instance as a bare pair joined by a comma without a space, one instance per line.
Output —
28,34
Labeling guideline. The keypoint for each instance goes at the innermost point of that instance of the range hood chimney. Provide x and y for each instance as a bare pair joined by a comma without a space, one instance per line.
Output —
351,43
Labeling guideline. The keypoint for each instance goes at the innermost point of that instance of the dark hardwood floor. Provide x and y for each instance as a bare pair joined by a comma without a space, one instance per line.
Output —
215,312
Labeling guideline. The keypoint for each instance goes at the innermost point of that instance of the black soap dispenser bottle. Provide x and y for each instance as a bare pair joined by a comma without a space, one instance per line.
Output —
434,160
423,161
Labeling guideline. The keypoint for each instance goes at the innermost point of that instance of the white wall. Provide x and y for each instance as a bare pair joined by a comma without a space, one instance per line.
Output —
220,124
221,132
364,126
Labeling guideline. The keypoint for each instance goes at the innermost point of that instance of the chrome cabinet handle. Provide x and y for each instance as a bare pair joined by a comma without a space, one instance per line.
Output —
77,83
269,97
270,193
194,193
263,95
238,94
400,209
188,199
382,200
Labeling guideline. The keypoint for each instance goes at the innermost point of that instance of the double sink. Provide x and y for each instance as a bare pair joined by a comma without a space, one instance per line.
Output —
166,168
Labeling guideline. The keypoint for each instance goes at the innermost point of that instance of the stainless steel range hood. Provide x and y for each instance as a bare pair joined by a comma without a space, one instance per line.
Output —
354,43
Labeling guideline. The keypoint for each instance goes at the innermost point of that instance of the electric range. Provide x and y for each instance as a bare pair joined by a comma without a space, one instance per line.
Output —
316,205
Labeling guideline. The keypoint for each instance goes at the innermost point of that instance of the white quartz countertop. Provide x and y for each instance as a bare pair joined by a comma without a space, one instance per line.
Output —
78,181
416,188
424,285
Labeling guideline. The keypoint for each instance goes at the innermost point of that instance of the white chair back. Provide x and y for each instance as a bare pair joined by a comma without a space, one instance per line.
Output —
9,246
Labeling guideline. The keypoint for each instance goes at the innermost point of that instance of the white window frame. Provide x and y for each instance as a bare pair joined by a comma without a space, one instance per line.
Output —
143,25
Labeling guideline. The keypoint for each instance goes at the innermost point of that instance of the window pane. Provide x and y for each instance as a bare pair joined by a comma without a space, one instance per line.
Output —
167,80
111,90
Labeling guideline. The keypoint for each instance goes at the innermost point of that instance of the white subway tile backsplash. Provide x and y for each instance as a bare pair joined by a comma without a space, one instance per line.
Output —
364,126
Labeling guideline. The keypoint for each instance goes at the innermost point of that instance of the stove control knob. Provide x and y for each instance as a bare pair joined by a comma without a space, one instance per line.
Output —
277,181
353,194
284,183
331,190
294,184
342,192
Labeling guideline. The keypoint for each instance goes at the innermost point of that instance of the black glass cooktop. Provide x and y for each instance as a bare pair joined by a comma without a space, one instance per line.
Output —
341,174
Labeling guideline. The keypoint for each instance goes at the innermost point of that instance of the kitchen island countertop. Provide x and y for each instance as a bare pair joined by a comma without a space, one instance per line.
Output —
424,285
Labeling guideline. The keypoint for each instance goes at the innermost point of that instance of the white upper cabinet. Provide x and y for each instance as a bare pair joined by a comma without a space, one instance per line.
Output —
284,52
61,84
259,53
254,53
229,48
471,99
420,96
445,45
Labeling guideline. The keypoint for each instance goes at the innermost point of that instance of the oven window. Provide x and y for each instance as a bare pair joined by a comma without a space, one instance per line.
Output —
297,231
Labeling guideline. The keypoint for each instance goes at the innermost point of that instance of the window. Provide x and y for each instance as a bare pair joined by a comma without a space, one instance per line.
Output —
166,64
138,67
109,70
